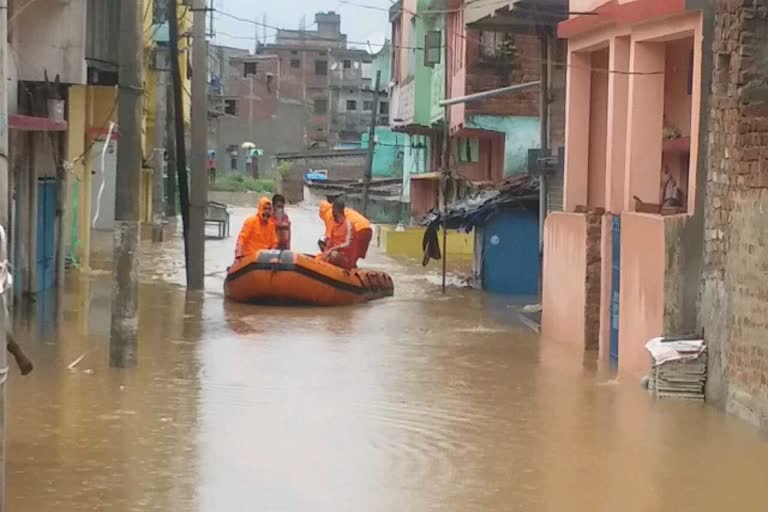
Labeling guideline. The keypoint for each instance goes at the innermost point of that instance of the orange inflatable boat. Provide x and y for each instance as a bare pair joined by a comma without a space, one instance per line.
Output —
285,277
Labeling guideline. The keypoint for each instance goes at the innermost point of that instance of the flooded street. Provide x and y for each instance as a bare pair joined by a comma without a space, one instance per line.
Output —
414,403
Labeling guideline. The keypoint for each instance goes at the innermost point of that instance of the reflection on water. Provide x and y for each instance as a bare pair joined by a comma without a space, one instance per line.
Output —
418,402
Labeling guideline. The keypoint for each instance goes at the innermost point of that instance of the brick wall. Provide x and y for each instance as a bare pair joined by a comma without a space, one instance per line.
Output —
734,298
483,75
592,283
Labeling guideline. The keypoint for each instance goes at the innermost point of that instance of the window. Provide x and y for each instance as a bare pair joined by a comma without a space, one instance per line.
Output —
351,105
321,106
249,68
321,67
295,63
367,106
294,52
497,45
230,107
384,108
468,151
347,64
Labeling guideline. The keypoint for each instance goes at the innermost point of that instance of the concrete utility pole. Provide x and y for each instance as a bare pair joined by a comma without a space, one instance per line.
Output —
371,144
4,320
199,150
158,212
125,292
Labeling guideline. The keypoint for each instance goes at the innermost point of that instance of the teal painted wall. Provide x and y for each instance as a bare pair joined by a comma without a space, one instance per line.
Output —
520,134
415,161
382,61
437,78
389,152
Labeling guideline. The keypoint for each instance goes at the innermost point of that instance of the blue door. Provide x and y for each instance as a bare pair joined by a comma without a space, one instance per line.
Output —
510,262
615,286
46,220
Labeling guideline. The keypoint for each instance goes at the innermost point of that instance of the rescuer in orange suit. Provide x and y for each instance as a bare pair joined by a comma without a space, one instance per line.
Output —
363,233
326,215
258,232
362,226
340,249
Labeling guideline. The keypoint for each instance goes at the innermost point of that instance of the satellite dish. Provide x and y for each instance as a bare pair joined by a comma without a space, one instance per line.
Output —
376,42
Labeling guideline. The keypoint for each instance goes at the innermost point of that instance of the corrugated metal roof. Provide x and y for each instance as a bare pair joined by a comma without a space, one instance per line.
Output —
102,32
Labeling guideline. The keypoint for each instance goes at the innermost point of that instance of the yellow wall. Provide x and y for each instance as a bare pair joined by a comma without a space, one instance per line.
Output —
150,107
408,243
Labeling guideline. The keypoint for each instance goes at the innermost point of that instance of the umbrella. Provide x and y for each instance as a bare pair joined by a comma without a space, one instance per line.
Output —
252,149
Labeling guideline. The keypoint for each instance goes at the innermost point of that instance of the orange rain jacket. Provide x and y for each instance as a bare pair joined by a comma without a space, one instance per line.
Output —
342,241
326,215
356,218
256,234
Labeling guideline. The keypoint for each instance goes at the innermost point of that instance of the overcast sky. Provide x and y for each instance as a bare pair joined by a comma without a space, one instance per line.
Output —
360,24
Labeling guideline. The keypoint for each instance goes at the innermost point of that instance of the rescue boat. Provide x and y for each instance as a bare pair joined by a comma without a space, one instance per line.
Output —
286,277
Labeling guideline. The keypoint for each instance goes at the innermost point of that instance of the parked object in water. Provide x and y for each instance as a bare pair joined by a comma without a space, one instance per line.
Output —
679,367
285,277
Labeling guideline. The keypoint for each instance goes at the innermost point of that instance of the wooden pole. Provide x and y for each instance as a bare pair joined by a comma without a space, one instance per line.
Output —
125,291
199,149
178,118
371,143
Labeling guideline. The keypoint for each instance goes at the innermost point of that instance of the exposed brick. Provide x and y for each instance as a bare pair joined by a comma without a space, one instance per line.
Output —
734,297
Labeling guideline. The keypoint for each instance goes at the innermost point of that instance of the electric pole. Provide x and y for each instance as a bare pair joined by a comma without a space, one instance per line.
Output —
158,212
123,333
371,144
199,149
4,320
178,125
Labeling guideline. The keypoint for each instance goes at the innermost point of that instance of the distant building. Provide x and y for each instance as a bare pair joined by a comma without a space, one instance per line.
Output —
336,80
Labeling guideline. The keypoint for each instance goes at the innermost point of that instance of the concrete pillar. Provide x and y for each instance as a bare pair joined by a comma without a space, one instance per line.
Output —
616,142
576,132
645,123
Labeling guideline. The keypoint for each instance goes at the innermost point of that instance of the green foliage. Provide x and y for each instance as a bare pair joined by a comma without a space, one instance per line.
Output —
242,183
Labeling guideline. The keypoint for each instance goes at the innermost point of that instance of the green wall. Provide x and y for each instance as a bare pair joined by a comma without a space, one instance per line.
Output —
389,152
520,134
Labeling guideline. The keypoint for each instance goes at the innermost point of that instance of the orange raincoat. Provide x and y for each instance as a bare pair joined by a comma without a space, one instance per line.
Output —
257,234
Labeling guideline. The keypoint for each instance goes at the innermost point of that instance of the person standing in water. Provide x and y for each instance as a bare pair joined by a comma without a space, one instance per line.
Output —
282,223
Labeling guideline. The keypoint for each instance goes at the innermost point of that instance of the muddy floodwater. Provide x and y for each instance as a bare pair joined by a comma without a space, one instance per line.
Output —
421,402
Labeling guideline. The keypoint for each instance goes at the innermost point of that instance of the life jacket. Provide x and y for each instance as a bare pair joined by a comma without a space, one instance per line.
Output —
359,222
256,234
283,229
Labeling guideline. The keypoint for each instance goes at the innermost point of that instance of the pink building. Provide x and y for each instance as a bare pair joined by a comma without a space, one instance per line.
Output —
618,268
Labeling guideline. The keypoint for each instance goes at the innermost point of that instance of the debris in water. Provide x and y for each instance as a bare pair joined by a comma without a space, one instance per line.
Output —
76,362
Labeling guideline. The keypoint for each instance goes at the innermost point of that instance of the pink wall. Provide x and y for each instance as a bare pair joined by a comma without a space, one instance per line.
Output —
564,278
616,145
424,196
457,65
576,137
642,289
598,128
645,122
